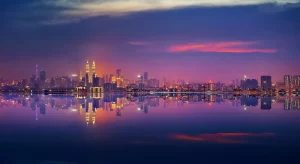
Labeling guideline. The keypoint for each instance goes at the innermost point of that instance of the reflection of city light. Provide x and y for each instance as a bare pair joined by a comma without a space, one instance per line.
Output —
139,108
245,108
74,110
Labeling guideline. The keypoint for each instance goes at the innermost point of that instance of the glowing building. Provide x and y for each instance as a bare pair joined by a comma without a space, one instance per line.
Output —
94,67
266,82
296,80
288,81
87,71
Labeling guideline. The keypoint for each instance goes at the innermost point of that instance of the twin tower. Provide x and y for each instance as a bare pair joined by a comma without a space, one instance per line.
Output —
88,77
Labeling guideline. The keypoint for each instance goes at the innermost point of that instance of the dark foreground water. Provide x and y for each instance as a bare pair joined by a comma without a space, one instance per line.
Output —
149,129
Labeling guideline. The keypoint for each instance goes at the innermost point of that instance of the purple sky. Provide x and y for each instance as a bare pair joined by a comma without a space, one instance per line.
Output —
218,42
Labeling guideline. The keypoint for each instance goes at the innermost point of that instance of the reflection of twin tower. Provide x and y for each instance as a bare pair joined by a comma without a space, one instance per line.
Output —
88,77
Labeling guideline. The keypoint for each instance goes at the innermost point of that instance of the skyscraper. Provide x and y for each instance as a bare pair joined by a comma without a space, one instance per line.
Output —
87,71
32,80
296,82
139,79
112,78
94,67
146,76
118,73
95,80
288,81
266,82
43,76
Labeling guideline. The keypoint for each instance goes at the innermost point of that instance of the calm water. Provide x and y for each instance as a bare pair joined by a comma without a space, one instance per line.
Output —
146,129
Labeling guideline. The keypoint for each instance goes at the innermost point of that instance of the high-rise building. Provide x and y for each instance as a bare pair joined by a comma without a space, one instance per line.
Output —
266,82
87,71
296,80
95,80
94,67
111,78
139,79
32,80
43,76
288,81
146,76
118,73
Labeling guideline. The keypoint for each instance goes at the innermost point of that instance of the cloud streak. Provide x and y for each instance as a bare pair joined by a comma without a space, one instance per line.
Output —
220,47
89,8
138,43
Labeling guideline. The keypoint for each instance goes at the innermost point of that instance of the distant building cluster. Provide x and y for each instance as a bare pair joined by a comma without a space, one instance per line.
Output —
90,81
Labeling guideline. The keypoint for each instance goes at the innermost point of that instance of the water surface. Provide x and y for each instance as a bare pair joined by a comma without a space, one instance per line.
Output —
111,128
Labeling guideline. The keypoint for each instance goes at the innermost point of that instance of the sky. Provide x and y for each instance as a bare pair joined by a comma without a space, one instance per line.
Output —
195,40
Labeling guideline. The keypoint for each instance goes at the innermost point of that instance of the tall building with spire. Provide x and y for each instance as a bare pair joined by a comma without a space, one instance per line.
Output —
95,80
87,71
94,67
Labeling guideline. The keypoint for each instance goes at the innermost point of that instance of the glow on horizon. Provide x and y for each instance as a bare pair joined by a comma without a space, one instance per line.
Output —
222,47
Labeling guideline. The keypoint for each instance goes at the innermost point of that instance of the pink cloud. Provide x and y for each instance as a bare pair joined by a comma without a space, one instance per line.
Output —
228,138
231,47
138,43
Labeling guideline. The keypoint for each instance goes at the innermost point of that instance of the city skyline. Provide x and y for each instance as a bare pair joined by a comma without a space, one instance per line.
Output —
92,82
91,69
193,41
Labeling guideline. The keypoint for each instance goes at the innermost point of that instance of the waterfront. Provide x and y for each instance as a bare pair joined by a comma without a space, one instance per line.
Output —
145,129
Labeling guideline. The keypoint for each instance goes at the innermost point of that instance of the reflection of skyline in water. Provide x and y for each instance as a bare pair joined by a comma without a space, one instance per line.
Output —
89,105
